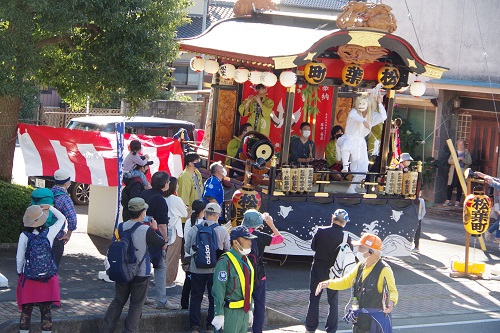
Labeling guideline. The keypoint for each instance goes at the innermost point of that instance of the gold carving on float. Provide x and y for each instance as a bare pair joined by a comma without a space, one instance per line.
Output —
245,7
310,56
367,15
365,38
411,63
284,62
355,54
433,71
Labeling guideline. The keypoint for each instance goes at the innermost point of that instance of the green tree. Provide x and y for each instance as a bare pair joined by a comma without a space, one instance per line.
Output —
94,48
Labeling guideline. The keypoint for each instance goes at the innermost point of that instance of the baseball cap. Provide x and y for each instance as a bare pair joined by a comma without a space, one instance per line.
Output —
34,216
252,219
341,214
369,240
61,176
213,207
137,204
241,231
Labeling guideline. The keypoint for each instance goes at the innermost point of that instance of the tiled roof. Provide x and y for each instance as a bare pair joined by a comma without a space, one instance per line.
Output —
216,12
318,4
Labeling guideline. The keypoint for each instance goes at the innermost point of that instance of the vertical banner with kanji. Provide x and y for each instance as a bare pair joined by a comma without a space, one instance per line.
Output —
120,147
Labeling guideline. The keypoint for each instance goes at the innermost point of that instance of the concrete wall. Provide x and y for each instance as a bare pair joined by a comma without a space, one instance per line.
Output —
102,211
197,7
452,33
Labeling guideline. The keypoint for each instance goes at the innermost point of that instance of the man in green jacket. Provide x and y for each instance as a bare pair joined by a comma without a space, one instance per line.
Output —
233,284
190,181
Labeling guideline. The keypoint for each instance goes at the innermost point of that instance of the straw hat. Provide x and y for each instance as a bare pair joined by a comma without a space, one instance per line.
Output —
35,216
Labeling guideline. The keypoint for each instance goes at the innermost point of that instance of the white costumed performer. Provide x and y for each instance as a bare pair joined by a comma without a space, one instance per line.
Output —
351,147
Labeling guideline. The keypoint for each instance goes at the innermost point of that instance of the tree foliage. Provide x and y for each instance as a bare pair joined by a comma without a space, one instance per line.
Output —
94,48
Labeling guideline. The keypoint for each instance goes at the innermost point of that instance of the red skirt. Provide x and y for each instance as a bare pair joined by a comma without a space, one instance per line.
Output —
38,291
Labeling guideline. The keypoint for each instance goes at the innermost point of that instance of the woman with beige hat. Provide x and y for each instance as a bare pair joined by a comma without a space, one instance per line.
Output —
44,289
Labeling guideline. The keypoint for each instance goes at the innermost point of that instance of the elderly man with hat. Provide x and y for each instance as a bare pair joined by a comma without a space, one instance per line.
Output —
404,162
233,284
325,243
374,287
136,289
253,220
64,204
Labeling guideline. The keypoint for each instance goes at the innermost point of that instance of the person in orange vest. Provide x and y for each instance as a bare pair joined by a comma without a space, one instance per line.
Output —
374,288
233,284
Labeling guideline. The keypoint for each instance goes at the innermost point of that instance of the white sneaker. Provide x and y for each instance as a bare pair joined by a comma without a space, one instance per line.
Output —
345,169
167,305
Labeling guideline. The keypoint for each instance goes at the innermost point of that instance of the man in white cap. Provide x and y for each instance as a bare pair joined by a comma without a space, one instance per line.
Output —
325,243
404,162
64,204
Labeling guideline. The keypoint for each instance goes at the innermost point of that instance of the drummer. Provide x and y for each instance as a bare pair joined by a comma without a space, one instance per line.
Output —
234,149
302,149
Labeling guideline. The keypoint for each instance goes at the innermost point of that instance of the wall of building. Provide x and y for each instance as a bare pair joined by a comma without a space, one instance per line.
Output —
453,33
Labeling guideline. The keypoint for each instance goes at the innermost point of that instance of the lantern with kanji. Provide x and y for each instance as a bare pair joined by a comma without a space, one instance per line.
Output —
227,71
388,76
352,74
244,199
315,72
477,213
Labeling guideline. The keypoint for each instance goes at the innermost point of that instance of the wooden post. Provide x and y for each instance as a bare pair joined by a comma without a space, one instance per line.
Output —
287,126
387,131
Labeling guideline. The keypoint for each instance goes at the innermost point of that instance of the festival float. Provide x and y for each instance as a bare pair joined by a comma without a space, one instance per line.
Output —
314,68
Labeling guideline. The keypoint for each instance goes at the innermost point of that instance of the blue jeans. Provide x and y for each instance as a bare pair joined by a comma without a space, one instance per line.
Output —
161,281
494,229
259,304
198,283
319,274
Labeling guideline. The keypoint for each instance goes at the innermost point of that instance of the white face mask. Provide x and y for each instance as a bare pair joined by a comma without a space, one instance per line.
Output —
243,251
306,134
362,259
224,172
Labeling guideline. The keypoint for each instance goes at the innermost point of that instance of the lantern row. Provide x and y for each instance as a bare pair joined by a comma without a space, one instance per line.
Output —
314,73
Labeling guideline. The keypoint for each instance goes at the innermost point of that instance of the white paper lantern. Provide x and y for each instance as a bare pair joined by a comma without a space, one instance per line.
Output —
241,75
197,63
288,79
417,88
254,77
227,71
211,66
268,79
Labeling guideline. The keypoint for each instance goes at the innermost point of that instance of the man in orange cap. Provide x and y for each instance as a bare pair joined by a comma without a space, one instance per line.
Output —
374,288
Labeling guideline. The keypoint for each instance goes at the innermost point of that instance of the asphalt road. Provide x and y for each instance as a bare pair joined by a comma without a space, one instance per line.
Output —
442,241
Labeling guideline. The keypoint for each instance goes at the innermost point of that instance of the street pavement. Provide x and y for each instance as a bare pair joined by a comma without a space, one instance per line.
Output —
429,299
427,293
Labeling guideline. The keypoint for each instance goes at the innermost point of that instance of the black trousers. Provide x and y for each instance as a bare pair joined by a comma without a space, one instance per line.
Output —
319,274
58,248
